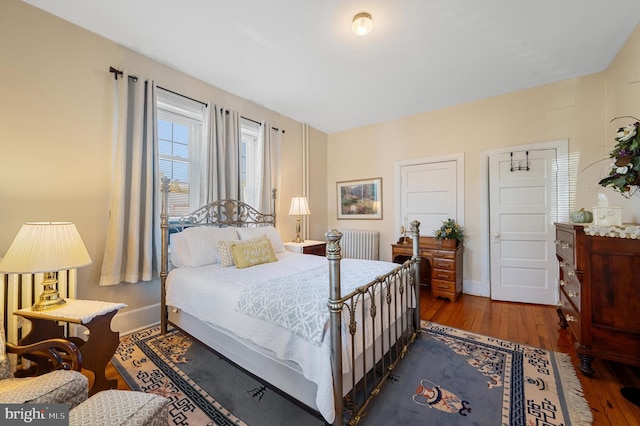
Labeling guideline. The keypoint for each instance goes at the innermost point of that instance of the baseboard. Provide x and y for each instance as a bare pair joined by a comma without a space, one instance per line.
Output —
125,322
476,288
128,322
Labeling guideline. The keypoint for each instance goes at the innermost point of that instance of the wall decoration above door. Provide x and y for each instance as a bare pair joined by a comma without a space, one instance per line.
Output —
360,199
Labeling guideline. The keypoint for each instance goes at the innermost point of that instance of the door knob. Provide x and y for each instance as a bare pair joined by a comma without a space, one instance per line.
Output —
496,237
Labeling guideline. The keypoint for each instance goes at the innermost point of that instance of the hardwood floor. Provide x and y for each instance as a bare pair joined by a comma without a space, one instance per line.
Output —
534,325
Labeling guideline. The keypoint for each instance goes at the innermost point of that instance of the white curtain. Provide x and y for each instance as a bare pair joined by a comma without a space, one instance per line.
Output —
268,159
132,248
222,151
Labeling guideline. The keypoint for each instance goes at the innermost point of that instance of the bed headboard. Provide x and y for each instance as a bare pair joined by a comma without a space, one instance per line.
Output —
220,213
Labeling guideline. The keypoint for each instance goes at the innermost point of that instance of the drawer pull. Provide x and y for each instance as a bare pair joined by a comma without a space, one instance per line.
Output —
563,264
570,318
571,272
562,283
573,294
446,287
442,276
562,303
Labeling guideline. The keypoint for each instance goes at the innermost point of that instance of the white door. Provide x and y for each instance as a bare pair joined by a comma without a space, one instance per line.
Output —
523,206
429,194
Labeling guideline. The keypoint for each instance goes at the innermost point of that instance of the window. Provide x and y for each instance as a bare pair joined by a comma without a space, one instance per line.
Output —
250,169
180,136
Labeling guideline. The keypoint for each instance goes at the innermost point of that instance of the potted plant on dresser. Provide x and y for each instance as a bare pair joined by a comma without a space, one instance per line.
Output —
450,233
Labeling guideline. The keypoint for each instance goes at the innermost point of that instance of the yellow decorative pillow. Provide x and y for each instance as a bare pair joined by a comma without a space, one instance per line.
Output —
247,255
225,249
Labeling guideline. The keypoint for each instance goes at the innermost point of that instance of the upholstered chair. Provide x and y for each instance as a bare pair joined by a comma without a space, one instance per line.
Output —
65,384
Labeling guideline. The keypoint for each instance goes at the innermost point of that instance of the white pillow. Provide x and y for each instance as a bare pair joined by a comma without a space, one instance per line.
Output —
178,253
269,231
198,245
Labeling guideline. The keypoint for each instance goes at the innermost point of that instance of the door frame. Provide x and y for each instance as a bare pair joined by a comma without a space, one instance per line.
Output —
562,163
399,164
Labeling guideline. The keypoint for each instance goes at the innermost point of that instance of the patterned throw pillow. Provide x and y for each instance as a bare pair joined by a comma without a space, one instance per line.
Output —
247,255
226,253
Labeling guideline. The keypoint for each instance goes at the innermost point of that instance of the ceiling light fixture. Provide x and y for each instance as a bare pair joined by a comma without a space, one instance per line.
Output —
362,24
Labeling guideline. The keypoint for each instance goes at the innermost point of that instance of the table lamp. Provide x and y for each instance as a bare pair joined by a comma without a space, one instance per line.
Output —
46,247
299,207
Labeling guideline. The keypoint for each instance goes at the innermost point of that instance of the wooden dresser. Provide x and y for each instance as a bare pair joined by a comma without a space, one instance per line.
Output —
599,294
440,267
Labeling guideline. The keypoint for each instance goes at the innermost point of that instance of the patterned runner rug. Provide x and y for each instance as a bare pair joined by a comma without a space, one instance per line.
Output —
450,377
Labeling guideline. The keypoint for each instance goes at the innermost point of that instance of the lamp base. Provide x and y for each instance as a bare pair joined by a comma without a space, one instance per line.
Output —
49,299
298,238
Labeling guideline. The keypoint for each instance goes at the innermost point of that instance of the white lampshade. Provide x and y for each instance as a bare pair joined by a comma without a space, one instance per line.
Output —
299,207
362,24
45,247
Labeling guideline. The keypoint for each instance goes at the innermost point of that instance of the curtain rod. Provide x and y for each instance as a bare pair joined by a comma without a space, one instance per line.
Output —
180,94
117,72
252,120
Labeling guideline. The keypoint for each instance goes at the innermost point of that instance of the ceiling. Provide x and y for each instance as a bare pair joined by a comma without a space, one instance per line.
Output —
300,58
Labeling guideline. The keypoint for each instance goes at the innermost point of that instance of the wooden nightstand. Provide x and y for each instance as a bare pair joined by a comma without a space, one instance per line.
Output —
99,347
319,248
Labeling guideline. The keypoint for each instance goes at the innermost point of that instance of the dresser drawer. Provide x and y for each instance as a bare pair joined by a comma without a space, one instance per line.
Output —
570,315
448,264
444,254
571,288
403,251
442,274
565,245
443,286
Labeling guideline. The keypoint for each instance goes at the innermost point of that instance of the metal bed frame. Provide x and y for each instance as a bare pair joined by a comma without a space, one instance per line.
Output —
388,307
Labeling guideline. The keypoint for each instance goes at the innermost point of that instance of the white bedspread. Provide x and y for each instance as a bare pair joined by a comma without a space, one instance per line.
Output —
211,293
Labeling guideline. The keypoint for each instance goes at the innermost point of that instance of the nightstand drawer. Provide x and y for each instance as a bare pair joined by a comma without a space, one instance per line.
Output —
318,249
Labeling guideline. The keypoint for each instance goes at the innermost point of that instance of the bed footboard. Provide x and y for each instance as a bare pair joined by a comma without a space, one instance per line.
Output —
384,318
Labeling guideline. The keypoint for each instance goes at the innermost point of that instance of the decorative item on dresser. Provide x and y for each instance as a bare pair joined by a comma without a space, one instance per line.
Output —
598,294
441,265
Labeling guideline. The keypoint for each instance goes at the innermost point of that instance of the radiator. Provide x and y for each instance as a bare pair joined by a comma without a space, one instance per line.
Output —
21,291
360,244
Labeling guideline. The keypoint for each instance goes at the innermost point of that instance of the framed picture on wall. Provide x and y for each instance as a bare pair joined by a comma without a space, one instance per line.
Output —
360,199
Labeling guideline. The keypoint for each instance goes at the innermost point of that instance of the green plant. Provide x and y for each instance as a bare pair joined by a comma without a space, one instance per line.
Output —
625,171
450,230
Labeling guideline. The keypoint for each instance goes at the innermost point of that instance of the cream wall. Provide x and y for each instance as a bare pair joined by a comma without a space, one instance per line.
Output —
576,109
55,137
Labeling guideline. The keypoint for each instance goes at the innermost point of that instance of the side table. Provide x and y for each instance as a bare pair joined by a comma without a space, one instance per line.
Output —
99,347
319,248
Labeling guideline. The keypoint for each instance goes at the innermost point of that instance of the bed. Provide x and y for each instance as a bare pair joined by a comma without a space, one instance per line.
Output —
317,330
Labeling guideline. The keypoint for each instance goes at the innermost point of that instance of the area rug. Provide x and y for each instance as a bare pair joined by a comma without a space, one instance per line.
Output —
449,377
